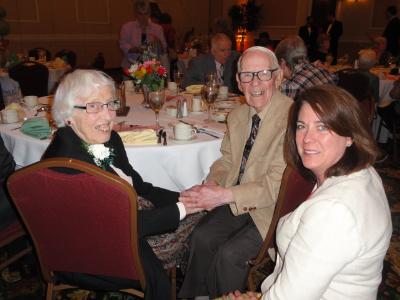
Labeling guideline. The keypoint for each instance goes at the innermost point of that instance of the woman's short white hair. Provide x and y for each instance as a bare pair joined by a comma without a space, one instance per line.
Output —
270,54
79,84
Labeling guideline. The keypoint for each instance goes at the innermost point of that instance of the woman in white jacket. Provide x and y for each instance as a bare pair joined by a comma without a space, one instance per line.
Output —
333,245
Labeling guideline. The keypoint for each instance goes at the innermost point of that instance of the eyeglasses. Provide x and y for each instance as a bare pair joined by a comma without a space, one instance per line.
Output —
263,75
95,107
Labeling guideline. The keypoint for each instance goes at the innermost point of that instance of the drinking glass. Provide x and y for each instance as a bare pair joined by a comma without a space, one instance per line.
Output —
211,79
156,101
210,93
178,76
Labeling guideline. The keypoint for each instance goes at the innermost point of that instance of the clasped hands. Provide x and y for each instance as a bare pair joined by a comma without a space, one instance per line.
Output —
205,197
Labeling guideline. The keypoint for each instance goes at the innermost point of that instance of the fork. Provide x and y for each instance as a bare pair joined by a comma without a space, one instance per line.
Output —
164,135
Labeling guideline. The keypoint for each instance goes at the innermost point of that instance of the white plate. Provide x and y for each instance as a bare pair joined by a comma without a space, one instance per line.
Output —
175,141
196,112
225,104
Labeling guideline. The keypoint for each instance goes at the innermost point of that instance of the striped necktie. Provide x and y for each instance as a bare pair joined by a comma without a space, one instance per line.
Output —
221,74
255,124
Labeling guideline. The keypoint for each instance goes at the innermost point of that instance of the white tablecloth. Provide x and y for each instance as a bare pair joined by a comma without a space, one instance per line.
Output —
177,166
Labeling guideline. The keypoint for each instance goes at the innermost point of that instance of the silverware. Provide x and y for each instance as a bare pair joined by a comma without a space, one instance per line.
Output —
164,135
159,135
201,130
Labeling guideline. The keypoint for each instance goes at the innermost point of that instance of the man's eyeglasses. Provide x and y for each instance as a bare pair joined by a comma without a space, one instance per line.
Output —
263,75
95,107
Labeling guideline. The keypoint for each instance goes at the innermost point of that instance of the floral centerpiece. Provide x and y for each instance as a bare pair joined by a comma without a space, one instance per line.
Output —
150,73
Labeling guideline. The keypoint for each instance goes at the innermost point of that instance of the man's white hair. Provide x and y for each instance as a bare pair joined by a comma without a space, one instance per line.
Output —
271,55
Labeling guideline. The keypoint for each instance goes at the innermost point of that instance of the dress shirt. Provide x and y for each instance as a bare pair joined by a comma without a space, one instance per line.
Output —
306,75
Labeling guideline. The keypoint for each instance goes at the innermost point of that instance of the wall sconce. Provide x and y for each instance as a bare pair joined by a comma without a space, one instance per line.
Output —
242,42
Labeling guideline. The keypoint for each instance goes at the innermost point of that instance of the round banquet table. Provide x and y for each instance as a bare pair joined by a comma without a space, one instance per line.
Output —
177,166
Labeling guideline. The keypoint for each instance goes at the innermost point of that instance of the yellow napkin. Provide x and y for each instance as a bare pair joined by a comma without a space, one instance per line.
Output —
194,89
142,137
58,63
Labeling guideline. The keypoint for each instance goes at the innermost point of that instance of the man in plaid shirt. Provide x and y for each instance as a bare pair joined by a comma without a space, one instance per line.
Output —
297,70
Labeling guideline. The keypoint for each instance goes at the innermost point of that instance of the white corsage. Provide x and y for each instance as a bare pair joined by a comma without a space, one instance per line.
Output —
102,155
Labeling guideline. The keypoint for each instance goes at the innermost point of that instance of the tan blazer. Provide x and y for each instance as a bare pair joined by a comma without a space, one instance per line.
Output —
261,180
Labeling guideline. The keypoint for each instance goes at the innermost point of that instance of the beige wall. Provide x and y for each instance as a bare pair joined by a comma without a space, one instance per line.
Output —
90,26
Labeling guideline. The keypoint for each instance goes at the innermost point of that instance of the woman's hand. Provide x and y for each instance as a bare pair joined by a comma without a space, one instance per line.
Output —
236,295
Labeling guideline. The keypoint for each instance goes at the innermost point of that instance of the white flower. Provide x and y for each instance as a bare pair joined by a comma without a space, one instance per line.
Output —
99,152
133,68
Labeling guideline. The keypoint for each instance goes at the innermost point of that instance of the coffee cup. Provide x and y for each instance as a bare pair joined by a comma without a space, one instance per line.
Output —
171,111
183,132
223,92
173,88
129,85
9,116
30,101
196,104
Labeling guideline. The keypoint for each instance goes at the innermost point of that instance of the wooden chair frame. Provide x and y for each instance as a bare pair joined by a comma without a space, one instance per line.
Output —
107,178
11,233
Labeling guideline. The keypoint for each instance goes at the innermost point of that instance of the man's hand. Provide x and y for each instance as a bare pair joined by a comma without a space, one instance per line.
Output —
206,196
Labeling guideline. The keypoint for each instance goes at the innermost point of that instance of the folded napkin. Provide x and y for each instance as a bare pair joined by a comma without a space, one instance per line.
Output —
142,137
37,127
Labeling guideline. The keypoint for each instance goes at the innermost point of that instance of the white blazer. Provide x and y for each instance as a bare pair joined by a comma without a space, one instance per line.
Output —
333,245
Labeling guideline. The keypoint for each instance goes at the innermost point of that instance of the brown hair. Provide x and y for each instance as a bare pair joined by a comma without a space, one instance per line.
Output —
341,113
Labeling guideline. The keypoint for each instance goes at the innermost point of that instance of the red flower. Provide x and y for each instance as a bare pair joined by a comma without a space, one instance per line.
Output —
126,72
161,71
149,70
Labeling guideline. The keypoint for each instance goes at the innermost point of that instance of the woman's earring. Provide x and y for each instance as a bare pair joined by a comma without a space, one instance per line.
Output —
68,122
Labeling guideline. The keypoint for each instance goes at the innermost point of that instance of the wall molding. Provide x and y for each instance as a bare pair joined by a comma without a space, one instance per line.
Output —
63,37
80,21
36,20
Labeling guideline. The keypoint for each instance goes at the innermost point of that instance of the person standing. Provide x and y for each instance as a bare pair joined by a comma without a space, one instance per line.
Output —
309,34
140,32
334,29
392,30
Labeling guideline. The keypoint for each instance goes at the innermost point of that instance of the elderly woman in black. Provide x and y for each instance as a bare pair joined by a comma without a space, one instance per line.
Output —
85,109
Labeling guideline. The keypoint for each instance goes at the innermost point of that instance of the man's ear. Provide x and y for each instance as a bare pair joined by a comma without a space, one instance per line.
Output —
239,83
278,78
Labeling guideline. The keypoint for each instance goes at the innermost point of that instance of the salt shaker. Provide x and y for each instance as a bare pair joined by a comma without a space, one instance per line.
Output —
179,108
184,109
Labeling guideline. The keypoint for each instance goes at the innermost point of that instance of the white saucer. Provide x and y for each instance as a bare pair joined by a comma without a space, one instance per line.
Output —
196,112
175,141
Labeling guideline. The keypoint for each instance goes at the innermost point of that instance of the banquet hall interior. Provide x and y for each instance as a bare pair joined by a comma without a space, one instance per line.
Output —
57,37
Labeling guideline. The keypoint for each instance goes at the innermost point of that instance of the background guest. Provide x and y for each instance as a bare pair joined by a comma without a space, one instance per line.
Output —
221,60
383,55
309,34
322,49
334,29
392,30
333,245
85,110
7,166
298,72
242,187
366,60
265,41
139,32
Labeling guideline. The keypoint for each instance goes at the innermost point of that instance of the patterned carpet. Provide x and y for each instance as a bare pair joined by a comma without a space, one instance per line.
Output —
22,281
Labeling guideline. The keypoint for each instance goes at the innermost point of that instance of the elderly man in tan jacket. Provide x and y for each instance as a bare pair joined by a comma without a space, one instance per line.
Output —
242,187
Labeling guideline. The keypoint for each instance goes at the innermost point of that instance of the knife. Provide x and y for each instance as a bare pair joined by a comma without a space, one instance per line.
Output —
201,130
